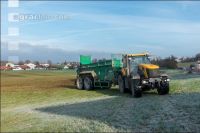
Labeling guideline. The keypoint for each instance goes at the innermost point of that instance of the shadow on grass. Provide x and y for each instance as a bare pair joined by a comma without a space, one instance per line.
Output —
110,92
97,109
133,114
114,91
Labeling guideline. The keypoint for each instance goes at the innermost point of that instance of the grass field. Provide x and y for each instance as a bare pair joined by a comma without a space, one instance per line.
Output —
185,64
48,101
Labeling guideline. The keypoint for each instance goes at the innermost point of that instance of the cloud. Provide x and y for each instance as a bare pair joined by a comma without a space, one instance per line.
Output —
44,53
110,31
154,24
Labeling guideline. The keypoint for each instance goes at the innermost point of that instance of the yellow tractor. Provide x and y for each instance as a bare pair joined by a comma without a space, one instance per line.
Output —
138,74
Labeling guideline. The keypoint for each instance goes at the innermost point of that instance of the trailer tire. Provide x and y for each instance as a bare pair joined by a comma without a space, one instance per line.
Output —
121,84
163,88
88,84
79,83
135,90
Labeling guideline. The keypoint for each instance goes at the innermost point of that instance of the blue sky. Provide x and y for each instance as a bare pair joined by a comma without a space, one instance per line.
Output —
104,27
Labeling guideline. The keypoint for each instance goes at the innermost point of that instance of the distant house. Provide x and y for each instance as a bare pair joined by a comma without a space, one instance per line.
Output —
178,60
5,68
45,65
66,67
30,65
197,66
25,67
16,68
10,65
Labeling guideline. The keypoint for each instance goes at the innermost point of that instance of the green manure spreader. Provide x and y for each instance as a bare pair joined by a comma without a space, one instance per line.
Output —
132,72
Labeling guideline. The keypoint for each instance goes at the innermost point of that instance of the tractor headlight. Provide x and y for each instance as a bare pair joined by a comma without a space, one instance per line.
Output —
167,80
144,82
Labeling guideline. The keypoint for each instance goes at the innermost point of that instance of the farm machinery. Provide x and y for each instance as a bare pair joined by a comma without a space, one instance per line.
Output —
132,72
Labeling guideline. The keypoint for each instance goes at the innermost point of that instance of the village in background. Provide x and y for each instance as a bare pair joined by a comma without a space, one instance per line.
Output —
190,64
36,65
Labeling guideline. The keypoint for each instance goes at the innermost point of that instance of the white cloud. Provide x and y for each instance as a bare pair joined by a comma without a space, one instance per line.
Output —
154,24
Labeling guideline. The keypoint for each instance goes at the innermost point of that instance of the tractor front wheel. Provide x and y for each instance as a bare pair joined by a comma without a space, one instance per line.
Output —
163,88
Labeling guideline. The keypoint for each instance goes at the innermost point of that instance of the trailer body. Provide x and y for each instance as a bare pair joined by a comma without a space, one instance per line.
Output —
103,73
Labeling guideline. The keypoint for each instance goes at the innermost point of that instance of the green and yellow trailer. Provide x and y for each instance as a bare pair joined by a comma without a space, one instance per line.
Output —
132,72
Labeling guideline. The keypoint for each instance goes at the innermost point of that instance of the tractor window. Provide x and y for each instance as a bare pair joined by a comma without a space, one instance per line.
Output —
135,61
141,60
133,68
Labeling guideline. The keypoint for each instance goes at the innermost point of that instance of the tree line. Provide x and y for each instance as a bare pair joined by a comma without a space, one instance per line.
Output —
172,63
168,62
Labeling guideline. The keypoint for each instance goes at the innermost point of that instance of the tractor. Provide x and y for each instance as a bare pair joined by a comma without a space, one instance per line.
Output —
131,72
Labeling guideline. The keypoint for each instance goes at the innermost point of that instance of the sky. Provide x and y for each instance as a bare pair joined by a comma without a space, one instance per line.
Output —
101,28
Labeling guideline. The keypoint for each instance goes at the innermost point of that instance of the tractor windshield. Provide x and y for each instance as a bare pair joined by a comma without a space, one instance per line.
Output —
135,61
140,60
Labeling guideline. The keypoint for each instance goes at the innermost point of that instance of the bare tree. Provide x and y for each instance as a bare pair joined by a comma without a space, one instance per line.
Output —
27,61
197,56
3,63
21,63
50,63
94,60
37,63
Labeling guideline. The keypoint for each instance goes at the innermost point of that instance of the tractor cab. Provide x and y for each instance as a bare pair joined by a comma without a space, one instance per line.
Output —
138,74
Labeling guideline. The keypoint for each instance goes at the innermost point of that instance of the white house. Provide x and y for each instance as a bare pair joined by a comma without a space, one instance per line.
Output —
66,67
31,65
197,66
17,68
45,65
10,65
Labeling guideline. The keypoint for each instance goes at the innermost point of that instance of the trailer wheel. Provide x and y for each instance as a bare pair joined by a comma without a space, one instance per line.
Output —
135,90
163,88
121,84
79,83
88,85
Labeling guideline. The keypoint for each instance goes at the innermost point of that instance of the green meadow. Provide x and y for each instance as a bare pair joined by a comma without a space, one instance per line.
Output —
47,101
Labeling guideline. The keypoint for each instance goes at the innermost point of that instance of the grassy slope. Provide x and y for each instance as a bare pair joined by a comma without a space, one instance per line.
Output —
48,101
185,64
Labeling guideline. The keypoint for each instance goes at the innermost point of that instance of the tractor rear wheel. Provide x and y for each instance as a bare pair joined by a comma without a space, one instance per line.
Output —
163,88
79,83
135,89
88,84
121,84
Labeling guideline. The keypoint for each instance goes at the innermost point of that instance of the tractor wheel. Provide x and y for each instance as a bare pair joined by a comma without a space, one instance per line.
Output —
79,83
88,84
121,84
163,88
135,90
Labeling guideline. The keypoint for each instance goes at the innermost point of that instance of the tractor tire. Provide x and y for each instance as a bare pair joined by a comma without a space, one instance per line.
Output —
79,83
121,84
163,88
135,90
88,84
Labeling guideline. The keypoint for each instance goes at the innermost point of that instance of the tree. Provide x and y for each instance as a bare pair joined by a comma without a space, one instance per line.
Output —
169,62
197,57
65,63
21,63
3,63
50,63
37,63
27,61
94,60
